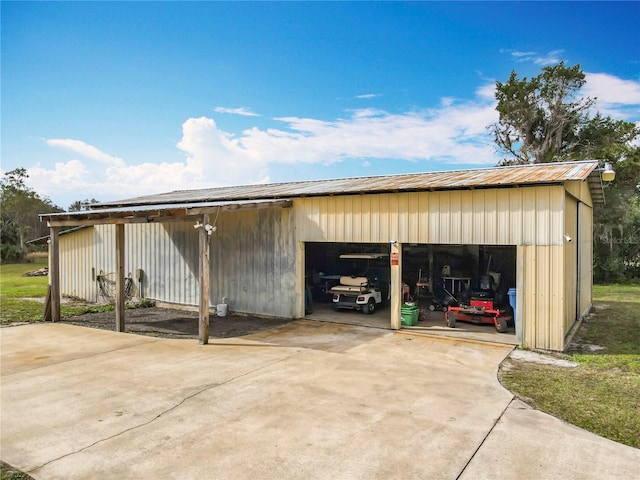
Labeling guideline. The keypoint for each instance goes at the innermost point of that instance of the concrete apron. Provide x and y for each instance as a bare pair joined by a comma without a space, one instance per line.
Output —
306,400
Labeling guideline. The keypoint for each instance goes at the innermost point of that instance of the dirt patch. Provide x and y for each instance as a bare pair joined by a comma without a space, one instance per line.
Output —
171,323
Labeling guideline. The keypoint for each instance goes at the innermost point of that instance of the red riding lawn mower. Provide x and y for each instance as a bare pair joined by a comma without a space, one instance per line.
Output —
482,306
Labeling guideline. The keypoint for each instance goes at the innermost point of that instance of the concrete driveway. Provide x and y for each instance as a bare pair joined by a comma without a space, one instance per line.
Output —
307,400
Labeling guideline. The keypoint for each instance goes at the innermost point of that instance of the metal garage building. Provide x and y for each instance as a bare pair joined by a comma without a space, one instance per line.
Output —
255,256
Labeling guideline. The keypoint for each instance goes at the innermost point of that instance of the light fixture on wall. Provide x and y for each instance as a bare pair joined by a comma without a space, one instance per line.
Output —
608,173
567,238
208,228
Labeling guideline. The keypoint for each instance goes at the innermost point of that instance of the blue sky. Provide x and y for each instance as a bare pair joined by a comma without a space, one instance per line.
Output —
113,100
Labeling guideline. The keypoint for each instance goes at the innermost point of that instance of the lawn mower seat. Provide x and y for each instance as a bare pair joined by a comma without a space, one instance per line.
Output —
483,287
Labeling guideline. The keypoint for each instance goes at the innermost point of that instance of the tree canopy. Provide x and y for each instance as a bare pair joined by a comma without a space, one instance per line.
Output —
544,119
19,221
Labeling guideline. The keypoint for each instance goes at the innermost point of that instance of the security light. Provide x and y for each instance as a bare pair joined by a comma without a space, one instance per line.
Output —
608,174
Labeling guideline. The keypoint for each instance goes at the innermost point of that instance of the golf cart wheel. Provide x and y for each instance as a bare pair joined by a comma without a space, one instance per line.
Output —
370,307
451,320
501,325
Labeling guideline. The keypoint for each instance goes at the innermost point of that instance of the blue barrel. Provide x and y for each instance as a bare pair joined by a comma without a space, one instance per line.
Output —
512,301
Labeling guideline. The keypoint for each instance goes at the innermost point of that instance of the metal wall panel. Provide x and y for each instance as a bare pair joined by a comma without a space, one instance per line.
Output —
253,262
531,216
76,257
571,263
585,236
541,296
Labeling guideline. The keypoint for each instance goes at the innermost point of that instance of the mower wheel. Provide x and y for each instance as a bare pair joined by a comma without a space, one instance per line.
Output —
451,319
370,307
501,325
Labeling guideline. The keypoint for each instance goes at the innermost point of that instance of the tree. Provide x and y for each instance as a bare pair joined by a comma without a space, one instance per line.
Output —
19,220
80,205
539,117
545,119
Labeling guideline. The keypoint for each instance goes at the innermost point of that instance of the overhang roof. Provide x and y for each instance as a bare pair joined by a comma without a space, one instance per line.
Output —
188,203
156,213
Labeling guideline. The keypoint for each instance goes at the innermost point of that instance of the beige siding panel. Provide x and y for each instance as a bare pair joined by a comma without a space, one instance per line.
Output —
490,217
403,214
435,232
503,230
542,213
516,216
413,217
466,217
557,300
532,216
444,218
542,297
579,190
478,224
423,226
455,217
585,237
571,263
365,201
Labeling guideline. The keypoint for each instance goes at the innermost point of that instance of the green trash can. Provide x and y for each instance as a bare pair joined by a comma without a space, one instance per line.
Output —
409,315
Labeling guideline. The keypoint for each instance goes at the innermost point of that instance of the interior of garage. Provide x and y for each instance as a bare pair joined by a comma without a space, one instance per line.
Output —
435,277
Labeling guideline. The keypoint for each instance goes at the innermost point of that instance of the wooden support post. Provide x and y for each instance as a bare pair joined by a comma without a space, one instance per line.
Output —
54,273
120,278
396,285
203,325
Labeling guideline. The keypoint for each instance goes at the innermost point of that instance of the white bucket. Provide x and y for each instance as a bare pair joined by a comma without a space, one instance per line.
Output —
221,309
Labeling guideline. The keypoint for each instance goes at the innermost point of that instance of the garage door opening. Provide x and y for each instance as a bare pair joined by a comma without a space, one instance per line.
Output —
468,283
348,283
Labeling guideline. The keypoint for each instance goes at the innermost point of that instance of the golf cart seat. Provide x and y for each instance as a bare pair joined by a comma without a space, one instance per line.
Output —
355,285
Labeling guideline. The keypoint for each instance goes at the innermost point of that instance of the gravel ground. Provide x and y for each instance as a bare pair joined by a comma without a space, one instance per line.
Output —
170,323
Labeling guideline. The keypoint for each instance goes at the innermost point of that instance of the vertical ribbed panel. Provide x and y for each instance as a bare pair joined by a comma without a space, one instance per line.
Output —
253,262
571,263
530,216
76,261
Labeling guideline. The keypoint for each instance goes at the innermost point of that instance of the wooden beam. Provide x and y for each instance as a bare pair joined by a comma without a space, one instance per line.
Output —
121,221
120,278
203,324
396,285
54,273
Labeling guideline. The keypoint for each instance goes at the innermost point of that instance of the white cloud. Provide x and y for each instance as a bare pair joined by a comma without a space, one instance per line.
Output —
452,133
84,149
616,97
246,112
367,96
550,58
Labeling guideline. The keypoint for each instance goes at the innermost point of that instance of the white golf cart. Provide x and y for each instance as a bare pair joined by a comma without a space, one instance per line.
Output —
359,292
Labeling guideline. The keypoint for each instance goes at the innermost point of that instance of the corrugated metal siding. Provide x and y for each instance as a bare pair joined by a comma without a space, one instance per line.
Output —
531,216
253,261
586,257
76,261
542,296
571,263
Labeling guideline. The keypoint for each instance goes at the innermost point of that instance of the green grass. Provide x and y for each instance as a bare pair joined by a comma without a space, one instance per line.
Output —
16,290
7,472
602,394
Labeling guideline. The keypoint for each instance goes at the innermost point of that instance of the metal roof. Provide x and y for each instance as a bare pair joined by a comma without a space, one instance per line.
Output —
159,212
547,173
